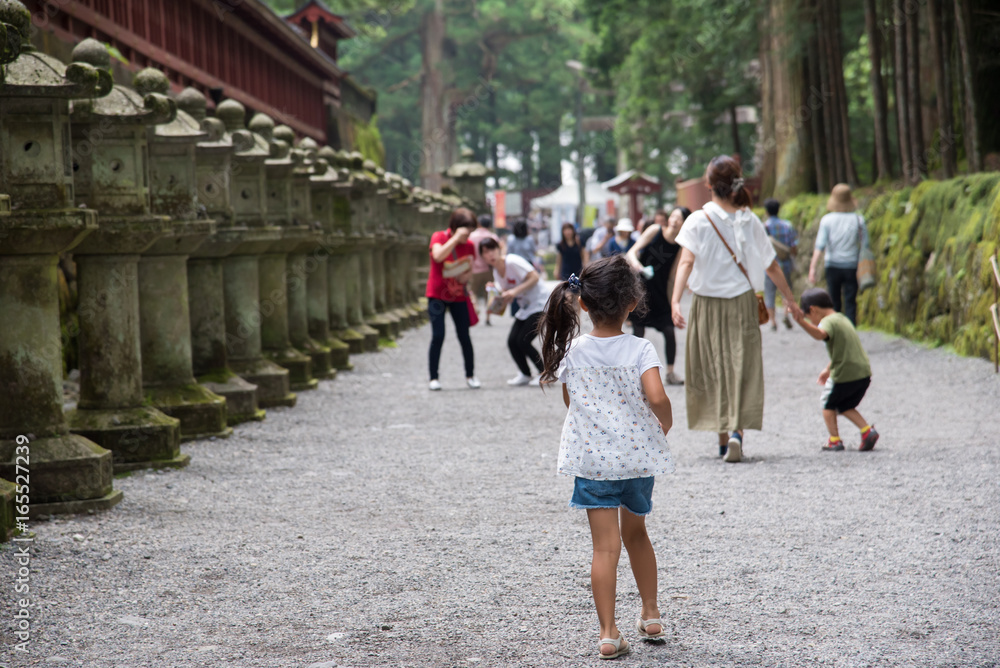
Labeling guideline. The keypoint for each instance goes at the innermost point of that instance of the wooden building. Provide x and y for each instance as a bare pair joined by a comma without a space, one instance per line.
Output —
285,67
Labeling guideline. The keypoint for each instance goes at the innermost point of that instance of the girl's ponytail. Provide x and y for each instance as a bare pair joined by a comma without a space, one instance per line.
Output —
558,326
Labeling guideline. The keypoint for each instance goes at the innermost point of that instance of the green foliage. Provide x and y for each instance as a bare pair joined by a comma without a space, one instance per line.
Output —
678,68
505,73
368,140
933,245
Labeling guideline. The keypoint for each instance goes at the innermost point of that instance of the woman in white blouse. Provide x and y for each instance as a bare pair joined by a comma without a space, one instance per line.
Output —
722,360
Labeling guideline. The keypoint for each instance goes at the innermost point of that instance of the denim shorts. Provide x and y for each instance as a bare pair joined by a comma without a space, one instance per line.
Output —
635,494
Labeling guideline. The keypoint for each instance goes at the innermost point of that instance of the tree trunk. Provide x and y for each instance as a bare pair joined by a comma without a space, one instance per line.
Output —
914,104
829,88
942,82
494,150
883,160
816,101
949,140
435,124
549,156
768,141
902,99
962,27
734,128
793,162
850,173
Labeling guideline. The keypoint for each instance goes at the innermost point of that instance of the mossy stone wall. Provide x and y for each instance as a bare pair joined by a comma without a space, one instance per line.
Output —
933,244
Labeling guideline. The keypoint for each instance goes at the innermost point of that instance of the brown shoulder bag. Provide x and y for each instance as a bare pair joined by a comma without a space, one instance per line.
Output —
762,315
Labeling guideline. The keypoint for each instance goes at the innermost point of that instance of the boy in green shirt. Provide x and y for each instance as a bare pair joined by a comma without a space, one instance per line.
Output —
848,374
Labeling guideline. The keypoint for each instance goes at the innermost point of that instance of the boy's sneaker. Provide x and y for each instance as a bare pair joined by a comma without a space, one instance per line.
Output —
833,446
734,449
868,439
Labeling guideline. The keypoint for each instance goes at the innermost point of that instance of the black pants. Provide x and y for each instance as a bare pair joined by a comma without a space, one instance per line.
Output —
669,340
519,341
460,315
846,280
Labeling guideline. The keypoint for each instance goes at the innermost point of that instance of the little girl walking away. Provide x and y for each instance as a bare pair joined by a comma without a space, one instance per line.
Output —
614,438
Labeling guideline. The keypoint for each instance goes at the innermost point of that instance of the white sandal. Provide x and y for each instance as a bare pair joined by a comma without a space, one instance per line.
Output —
619,643
641,624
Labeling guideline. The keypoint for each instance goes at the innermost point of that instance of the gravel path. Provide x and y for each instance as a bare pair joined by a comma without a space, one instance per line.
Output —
379,524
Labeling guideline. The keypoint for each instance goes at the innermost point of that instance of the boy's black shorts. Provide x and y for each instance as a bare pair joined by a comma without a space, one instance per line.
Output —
845,396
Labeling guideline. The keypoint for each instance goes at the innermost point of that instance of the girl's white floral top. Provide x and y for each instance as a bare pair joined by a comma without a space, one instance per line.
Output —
610,431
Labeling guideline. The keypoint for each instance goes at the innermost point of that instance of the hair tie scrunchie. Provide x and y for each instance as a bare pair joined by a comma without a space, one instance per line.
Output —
738,183
574,283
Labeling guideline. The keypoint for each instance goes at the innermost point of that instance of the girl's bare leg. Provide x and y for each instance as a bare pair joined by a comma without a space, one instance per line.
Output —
643,560
604,569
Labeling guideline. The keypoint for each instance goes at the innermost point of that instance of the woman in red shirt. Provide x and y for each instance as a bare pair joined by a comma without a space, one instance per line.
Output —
451,268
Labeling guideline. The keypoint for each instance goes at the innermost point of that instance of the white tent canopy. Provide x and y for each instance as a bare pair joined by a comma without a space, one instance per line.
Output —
564,201
567,195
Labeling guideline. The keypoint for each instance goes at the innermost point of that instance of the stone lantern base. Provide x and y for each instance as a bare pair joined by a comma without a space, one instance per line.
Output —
340,354
322,361
69,474
206,306
387,328
139,438
299,365
202,412
241,396
371,337
355,341
272,381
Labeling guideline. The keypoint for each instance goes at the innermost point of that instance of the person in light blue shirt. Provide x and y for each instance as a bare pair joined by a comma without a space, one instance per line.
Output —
842,234
785,240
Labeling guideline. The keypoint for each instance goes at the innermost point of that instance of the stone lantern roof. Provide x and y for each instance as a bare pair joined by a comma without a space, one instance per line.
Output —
35,74
248,144
121,105
184,127
193,103
466,168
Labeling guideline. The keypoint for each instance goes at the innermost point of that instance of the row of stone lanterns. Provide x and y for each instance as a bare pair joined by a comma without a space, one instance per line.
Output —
221,268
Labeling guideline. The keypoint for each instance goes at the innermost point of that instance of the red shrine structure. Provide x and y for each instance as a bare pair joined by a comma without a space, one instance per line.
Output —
633,184
285,67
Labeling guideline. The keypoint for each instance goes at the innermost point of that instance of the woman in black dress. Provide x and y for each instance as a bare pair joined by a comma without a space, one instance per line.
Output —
654,254
570,258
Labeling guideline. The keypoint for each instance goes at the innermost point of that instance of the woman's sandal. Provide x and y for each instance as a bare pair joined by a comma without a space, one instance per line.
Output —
641,624
619,643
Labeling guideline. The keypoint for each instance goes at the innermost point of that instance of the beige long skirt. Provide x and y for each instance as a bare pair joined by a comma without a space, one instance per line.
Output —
724,371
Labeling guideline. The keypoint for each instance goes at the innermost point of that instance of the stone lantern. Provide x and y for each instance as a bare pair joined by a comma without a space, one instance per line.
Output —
69,473
362,314
357,282
302,261
205,266
241,272
324,181
164,316
417,249
343,281
468,178
275,341
401,260
111,167
385,239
